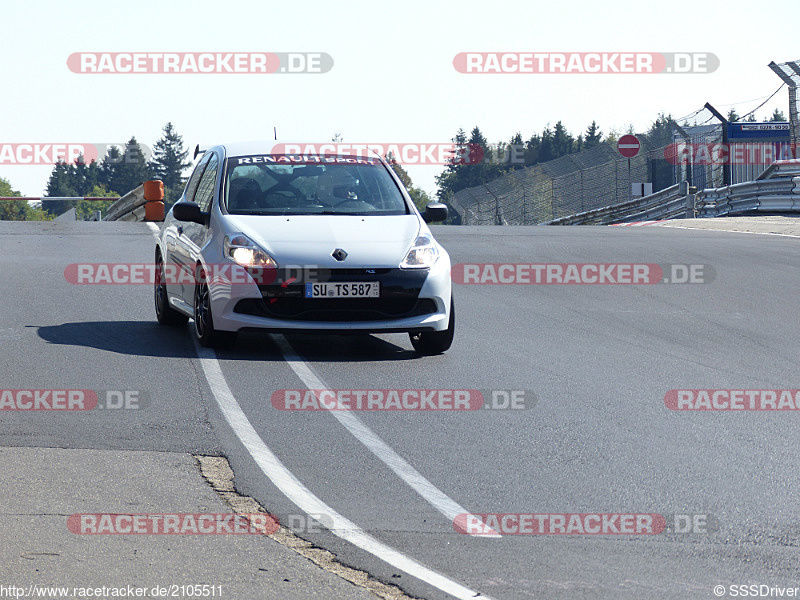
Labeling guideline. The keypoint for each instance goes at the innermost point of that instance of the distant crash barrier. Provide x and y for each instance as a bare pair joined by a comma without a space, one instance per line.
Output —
145,203
669,203
775,190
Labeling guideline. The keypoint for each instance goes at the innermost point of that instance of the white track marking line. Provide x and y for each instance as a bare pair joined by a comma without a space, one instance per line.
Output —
433,495
791,235
300,495
294,490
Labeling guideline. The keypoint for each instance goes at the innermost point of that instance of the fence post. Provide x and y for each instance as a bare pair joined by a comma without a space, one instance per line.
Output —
691,199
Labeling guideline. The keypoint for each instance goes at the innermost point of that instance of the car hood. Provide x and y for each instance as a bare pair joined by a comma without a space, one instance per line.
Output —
370,241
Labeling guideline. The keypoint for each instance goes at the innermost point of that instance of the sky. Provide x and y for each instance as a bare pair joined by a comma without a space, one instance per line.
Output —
392,79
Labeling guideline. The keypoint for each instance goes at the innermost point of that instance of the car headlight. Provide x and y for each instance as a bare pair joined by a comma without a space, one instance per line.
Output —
423,253
245,252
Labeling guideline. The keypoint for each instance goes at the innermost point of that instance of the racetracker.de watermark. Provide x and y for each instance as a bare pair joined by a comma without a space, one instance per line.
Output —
400,400
148,274
194,63
172,524
579,273
740,153
493,524
733,400
32,400
638,63
406,153
73,153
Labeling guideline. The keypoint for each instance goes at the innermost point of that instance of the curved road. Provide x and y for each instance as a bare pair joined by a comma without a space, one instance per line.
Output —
599,438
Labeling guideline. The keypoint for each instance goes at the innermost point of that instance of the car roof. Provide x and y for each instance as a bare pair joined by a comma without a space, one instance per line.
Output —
266,146
248,148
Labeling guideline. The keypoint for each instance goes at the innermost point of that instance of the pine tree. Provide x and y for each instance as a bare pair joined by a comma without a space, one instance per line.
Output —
109,169
61,183
777,116
661,130
593,136
516,152
447,180
547,149
135,169
562,140
532,147
169,162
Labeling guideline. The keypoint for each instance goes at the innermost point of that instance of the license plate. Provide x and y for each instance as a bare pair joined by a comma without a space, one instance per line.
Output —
369,289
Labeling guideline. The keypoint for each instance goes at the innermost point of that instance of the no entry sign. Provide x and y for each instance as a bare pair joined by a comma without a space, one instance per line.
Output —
628,146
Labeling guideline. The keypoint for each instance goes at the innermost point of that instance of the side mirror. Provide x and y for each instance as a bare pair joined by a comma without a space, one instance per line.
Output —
188,211
434,211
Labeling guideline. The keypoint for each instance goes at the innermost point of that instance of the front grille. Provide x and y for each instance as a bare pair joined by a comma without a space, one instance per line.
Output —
284,298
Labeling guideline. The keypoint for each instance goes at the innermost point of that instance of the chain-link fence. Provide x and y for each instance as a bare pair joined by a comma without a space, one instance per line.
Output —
693,150
573,183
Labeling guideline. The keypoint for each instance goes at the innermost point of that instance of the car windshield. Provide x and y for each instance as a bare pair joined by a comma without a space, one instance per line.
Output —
308,185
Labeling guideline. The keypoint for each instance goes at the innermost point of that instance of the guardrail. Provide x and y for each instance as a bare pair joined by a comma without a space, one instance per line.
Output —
763,195
668,203
777,189
145,203
781,168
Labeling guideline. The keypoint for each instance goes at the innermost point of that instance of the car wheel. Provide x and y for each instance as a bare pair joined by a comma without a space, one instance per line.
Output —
165,314
204,320
435,342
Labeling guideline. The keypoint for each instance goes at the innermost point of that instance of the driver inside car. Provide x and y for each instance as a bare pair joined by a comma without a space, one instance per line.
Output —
244,194
337,185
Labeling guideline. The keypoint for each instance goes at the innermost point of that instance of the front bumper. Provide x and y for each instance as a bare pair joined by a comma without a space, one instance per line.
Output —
411,300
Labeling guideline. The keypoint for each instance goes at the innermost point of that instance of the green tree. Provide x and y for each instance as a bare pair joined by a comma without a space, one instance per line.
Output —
110,168
562,140
547,150
418,195
532,147
76,179
401,173
169,162
37,214
515,152
777,116
61,183
11,210
612,137
593,136
661,130
448,180
132,171
84,210
733,116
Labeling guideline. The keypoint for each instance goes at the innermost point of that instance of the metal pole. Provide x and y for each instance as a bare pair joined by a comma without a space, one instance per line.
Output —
794,125
630,182
688,139
726,167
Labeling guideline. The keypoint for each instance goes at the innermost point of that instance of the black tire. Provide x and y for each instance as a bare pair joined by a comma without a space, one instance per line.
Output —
165,314
203,319
429,343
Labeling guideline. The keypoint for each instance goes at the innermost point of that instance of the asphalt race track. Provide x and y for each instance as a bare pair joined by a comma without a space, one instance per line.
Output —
595,437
